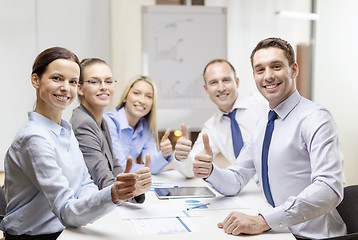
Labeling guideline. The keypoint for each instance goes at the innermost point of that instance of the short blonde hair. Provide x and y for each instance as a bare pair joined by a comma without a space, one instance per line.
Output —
151,117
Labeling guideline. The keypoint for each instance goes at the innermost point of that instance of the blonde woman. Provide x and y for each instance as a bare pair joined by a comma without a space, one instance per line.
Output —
133,128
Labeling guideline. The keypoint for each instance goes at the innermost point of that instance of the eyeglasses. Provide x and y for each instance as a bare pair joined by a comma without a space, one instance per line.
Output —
96,82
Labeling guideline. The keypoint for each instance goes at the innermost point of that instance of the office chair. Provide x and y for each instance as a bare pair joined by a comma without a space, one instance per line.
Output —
2,203
348,209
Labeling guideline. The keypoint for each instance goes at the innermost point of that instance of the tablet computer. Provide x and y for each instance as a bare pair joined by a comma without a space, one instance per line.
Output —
183,192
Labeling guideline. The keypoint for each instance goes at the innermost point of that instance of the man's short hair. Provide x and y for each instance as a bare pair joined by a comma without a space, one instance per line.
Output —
218,60
276,43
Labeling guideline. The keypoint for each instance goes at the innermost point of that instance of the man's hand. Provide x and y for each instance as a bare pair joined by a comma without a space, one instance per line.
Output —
183,145
237,223
144,178
165,145
203,162
125,184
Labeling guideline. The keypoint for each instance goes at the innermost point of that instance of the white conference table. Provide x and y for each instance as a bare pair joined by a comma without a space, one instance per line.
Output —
111,226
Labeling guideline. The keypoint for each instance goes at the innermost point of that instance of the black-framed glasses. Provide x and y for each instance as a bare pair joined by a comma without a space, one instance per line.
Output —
97,82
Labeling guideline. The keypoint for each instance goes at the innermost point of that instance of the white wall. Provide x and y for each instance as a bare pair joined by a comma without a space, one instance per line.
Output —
17,49
27,27
336,82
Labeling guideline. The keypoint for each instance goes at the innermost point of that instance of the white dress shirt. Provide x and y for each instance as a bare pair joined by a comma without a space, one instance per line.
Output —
304,169
47,184
218,128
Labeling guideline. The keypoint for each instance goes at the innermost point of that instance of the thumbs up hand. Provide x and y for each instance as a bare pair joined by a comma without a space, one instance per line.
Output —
165,144
202,164
147,160
144,177
125,184
183,145
129,165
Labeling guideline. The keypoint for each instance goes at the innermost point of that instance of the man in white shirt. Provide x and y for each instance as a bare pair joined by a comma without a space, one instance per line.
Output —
221,84
297,158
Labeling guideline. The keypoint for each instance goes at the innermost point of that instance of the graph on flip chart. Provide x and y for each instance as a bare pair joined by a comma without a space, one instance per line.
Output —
177,43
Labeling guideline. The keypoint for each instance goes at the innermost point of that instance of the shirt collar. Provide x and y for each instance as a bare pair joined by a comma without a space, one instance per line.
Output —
123,121
54,127
239,104
90,114
284,108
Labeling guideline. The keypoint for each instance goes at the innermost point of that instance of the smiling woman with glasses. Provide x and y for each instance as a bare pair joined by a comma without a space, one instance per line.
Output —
95,92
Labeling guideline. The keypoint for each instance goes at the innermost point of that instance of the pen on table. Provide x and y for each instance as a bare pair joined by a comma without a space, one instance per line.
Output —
198,206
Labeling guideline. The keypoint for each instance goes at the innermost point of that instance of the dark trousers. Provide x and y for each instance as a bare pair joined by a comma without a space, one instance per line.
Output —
51,236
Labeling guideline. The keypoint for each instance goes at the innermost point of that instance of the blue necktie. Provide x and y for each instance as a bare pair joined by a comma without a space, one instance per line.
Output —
236,133
265,149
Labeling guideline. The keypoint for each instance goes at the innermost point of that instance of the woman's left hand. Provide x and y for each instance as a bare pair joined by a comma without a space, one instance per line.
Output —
165,144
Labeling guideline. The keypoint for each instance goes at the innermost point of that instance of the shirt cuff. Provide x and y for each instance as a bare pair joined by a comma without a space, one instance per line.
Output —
108,192
214,177
275,217
173,157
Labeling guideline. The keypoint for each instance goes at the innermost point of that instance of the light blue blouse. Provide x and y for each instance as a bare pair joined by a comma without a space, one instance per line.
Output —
304,168
47,184
127,142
